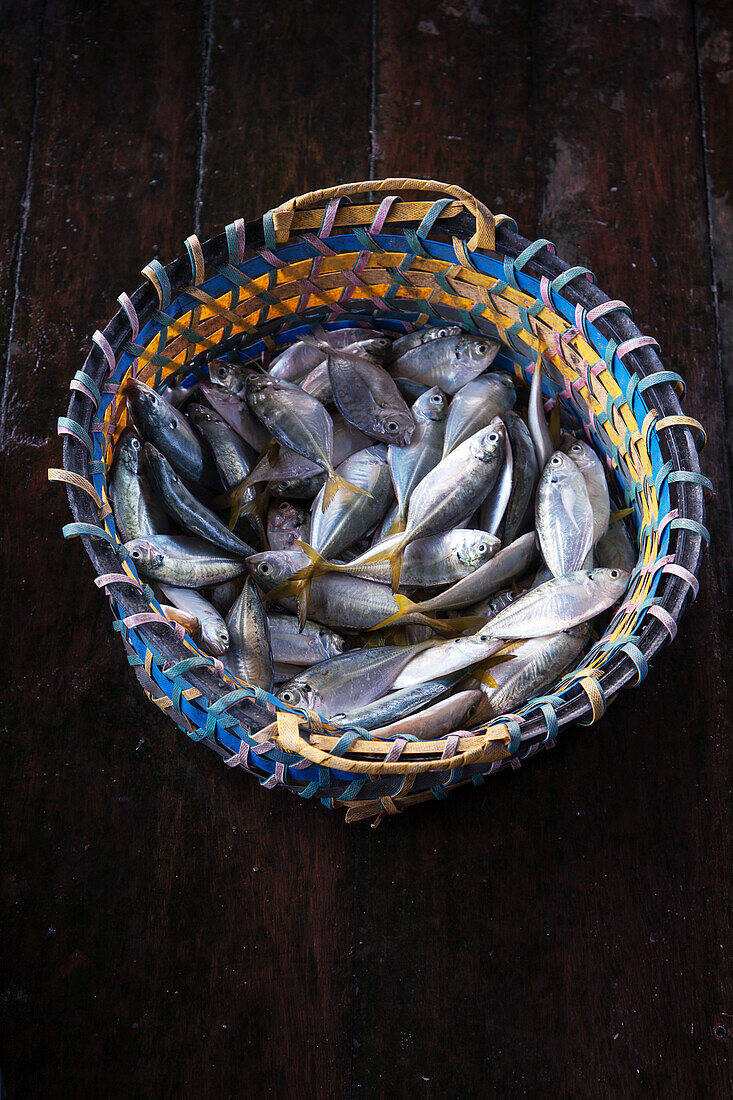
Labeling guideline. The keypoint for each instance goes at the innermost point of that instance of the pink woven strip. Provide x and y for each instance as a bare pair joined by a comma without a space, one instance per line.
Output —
604,308
103,343
116,578
451,743
665,619
653,567
131,312
579,317
396,751
667,519
239,229
239,757
544,292
68,431
685,575
634,343
110,387
381,215
153,617
329,218
271,258
318,244
81,388
276,780
217,666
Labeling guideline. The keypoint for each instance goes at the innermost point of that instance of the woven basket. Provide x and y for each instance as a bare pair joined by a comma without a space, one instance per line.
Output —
411,260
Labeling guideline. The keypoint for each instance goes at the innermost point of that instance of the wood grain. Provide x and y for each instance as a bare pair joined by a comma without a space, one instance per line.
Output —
169,928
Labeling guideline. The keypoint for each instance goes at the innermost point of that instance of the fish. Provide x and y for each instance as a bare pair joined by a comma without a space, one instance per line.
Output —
305,649
222,596
449,362
437,720
167,429
397,704
536,417
353,513
214,633
492,605
533,666
615,550
591,467
421,336
449,493
525,474
428,563
234,410
511,561
136,508
179,395
234,460
249,656
183,507
299,421
183,561
367,397
298,488
410,464
495,504
300,358
318,384
410,389
563,516
286,524
348,681
475,405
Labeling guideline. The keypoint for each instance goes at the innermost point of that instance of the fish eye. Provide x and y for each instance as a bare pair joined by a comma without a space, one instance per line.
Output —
221,372
484,637
436,399
556,460
614,573
288,696
135,443
263,568
283,507
481,548
136,554
482,348
172,424
493,437
576,449
283,484
392,426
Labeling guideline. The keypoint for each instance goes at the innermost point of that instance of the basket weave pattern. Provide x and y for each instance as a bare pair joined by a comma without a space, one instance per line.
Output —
397,264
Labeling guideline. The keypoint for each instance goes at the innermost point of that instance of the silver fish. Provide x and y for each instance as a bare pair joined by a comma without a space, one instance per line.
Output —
494,506
168,430
591,467
367,397
525,473
410,389
318,384
563,516
183,561
353,513
492,605
284,671
421,336
223,595
475,405
300,358
343,683
306,648
286,524
410,464
398,703
449,362
232,455
536,418
298,421
182,506
233,409
249,656
137,510
437,720
214,633
615,549
535,664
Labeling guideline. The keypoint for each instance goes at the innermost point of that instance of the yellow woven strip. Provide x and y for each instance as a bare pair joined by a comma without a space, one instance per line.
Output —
81,483
684,422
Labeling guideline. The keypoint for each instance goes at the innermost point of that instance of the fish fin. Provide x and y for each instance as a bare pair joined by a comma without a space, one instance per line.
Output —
336,482
451,627
404,607
621,514
398,526
304,592
282,591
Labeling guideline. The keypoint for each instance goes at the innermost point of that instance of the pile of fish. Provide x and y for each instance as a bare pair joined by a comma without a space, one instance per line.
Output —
372,528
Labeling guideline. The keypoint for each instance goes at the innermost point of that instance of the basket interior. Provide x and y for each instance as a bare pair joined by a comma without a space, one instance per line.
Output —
397,283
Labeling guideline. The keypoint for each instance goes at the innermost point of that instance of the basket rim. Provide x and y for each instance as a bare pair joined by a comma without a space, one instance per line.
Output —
677,446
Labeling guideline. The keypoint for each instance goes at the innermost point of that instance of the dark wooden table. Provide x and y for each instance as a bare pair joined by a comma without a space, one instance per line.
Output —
168,928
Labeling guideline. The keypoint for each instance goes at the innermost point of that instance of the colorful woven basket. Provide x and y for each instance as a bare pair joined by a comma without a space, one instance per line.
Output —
404,262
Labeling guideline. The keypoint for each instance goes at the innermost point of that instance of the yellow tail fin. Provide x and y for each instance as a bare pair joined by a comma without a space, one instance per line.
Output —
397,526
333,484
405,606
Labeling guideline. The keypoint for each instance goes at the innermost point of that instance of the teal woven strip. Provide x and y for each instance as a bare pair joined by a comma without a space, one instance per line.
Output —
165,283
611,349
691,476
366,240
353,788
510,274
685,524
89,383
561,281
662,376
71,530
431,217
530,251
268,227
347,739
72,426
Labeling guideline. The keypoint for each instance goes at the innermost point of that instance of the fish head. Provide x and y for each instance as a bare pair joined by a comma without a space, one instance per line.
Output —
232,376
150,412
394,425
610,582
202,414
156,463
129,450
376,347
282,515
431,405
441,332
299,693
215,637
144,551
490,442
272,567
301,488
329,643
477,350
560,470
584,457
476,547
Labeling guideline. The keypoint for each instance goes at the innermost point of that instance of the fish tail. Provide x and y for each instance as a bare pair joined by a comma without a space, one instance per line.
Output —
398,525
405,606
304,592
336,482
451,627
621,514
